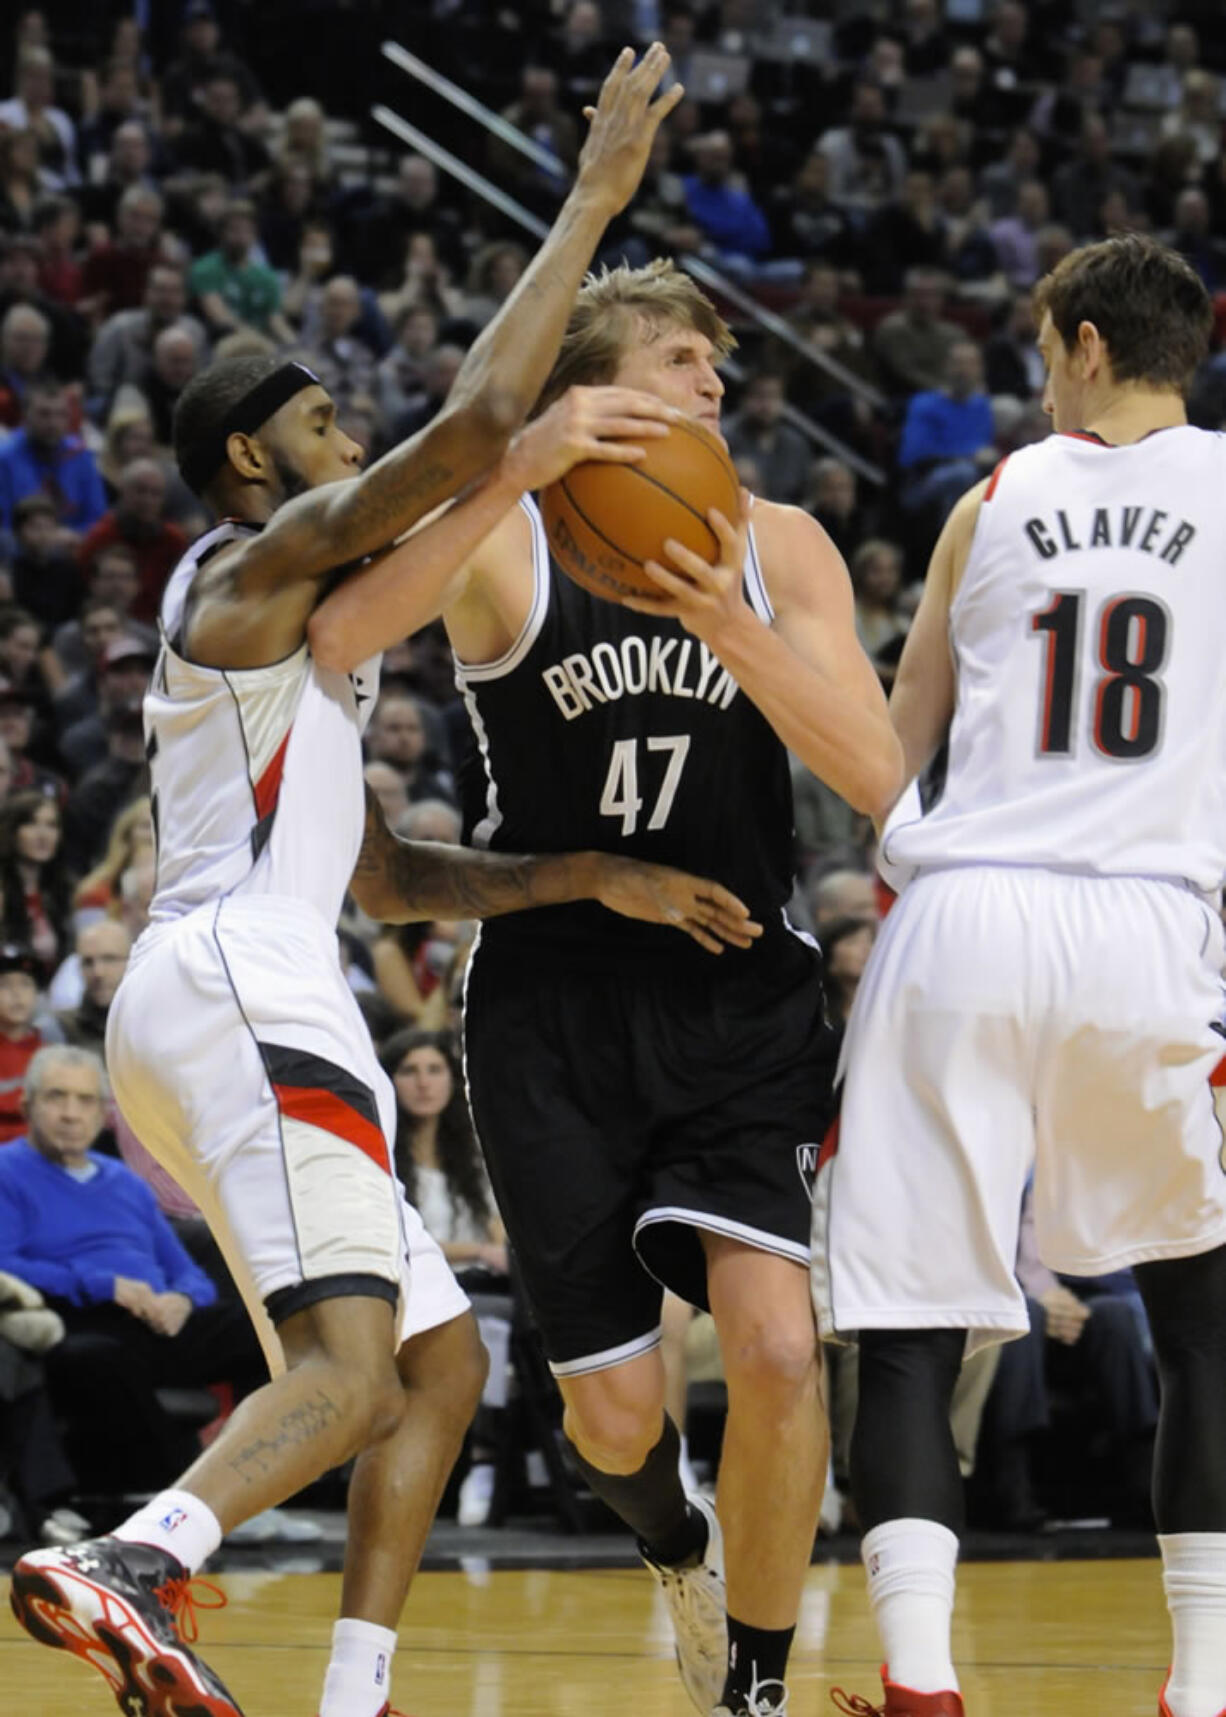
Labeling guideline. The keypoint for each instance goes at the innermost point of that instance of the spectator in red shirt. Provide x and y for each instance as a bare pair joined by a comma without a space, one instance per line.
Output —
57,226
138,519
19,1040
115,275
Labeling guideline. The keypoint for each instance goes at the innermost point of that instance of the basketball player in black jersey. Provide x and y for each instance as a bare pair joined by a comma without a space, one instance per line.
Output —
646,1121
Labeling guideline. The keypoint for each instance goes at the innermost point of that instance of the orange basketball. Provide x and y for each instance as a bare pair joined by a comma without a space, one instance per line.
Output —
604,521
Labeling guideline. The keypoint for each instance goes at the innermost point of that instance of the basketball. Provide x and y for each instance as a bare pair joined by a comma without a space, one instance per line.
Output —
605,521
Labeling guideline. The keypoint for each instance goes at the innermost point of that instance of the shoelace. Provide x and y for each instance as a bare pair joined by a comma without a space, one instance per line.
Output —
853,1704
184,1596
756,1705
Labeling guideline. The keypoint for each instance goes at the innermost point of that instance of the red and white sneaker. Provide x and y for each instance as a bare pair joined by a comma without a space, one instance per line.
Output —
899,1702
1164,1709
127,1609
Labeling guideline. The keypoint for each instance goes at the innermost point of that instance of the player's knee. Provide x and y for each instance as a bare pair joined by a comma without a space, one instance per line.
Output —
772,1359
380,1406
614,1426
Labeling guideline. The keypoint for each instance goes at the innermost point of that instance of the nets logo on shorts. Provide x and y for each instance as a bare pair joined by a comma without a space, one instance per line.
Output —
806,1167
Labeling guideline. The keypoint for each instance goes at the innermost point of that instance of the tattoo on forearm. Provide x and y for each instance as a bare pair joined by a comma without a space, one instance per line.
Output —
311,1417
452,882
397,880
393,492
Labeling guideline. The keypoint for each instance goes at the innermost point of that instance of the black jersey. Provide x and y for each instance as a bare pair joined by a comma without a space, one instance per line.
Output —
604,728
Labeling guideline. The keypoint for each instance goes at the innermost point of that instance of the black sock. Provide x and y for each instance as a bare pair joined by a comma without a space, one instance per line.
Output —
652,1502
755,1655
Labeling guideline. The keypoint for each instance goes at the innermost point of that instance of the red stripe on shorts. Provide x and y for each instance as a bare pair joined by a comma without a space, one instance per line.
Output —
269,784
324,1109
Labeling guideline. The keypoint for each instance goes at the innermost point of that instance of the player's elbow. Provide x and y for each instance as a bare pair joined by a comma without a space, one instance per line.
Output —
487,419
330,643
879,780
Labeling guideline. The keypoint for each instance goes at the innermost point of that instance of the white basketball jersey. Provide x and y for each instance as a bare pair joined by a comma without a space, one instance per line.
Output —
256,772
1089,637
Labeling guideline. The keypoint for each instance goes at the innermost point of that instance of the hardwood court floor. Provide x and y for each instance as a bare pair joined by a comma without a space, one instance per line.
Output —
1078,1639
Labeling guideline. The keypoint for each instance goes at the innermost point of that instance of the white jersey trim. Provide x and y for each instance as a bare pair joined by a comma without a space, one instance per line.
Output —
510,659
610,1356
484,831
755,583
759,1238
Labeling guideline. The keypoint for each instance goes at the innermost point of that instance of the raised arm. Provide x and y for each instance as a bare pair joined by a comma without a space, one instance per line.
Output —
504,370
412,584
403,882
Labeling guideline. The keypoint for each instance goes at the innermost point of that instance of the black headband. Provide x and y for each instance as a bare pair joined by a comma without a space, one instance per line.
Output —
243,418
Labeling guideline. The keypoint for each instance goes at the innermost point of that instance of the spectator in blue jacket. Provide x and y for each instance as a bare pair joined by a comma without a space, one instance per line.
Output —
140,1314
947,436
42,458
720,206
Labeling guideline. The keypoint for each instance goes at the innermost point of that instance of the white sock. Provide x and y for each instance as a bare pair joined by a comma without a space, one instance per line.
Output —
177,1522
1194,1574
910,1566
359,1678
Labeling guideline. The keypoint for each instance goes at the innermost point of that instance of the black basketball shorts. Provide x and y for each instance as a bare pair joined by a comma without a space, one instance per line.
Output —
621,1112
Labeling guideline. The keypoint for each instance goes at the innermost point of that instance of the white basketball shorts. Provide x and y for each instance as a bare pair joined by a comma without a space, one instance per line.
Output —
1010,1020
241,1061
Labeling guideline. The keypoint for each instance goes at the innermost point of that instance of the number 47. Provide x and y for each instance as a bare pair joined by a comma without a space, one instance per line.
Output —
621,798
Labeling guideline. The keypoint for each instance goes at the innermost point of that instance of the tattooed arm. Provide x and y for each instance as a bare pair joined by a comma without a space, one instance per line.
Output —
401,882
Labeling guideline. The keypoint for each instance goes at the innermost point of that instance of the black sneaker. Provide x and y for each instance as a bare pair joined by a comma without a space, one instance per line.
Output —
117,1606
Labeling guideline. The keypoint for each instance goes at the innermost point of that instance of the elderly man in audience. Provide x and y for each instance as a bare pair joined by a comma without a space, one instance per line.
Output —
85,1231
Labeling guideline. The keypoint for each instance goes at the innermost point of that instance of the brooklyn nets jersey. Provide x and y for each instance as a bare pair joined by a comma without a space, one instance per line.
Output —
256,773
1089,636
603,728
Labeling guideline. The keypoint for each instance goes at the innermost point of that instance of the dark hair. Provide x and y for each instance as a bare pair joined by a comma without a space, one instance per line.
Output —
33,506
93,604
1149,305
15,924
458,1154
12,617
210,396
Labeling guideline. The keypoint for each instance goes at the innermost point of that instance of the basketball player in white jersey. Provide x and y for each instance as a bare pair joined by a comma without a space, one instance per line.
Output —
236,1049
1043,995
712,1093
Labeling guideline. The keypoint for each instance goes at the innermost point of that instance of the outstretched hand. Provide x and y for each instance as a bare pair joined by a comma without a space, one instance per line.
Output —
657,894
624,123
586,423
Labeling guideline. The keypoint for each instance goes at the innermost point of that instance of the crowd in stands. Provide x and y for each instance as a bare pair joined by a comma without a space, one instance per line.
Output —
191,180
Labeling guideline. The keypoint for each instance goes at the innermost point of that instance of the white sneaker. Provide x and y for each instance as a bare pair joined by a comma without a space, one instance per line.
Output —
276,1526
697,1602
476,1495
760,1703
64,1526
831,1517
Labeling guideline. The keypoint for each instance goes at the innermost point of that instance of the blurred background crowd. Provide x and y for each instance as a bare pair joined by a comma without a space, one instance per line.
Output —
880,183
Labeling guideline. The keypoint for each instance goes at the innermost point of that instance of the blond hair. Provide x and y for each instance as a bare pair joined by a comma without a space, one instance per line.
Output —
621,304
119,853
